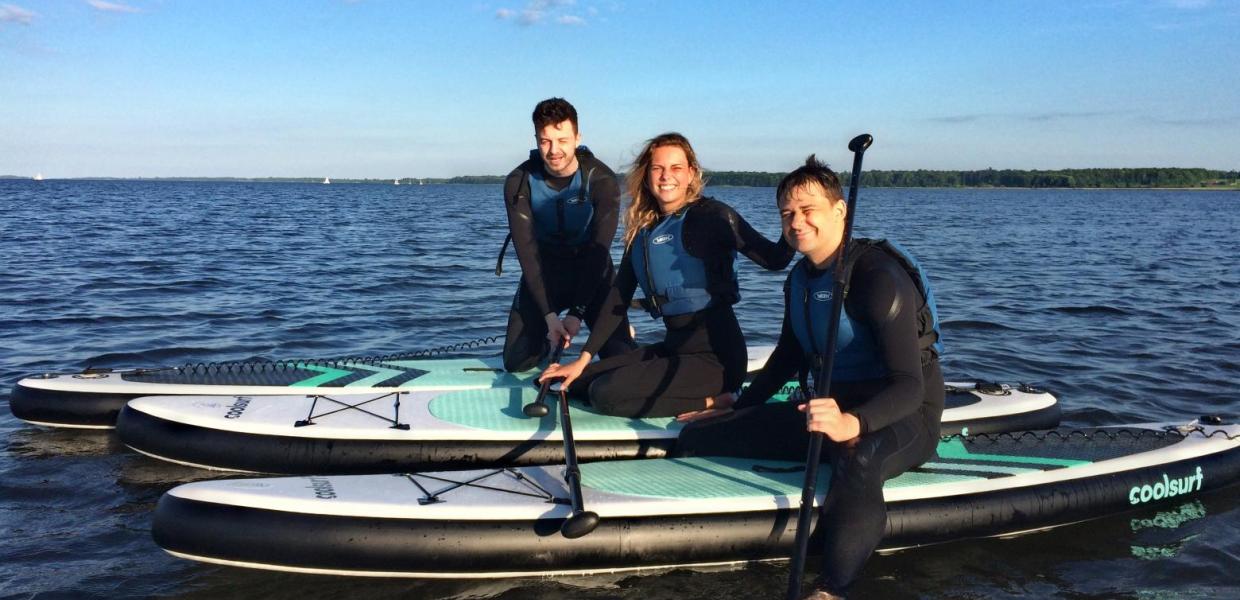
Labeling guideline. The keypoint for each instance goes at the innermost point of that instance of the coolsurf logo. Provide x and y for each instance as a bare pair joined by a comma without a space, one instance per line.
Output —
822,296
662,239
238,407
1167,488
322,488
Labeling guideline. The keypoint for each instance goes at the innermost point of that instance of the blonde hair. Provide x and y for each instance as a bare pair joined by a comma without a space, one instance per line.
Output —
643,208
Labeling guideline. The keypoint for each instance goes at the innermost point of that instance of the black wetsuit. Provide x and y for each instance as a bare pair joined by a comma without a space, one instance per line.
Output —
703,353
555,278
899,415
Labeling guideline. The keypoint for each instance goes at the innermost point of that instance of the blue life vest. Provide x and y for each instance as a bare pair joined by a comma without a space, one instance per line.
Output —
561,217
673,280
856,354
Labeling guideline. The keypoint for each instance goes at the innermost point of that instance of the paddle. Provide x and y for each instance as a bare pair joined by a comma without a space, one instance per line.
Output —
582,521
538,408
822,381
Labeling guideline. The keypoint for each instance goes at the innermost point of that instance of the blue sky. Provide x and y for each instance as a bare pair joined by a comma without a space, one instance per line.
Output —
389,88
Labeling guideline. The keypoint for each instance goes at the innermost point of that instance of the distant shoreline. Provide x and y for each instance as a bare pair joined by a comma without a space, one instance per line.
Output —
1076,179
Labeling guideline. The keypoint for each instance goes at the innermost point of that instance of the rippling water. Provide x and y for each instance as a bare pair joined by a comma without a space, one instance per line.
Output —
1126,304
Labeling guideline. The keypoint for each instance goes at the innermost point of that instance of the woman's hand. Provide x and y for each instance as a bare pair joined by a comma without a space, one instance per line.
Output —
567,372
824,416
716,406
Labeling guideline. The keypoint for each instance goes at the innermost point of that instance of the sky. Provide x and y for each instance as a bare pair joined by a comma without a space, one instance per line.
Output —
413,88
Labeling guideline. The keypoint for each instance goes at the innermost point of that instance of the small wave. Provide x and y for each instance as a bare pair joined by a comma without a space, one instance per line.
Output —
971,325
147,358
1090,310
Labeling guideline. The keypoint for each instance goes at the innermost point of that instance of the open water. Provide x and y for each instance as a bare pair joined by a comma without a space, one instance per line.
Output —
1126,304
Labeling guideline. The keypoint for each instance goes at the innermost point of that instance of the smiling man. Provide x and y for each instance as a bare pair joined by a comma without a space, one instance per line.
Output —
886,399
563,207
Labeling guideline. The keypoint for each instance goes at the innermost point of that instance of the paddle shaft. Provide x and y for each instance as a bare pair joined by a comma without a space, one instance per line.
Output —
582,521
572,474
538,408
822,381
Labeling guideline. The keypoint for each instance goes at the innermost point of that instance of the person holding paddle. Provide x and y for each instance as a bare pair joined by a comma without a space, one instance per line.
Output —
881,413
681,248
563,205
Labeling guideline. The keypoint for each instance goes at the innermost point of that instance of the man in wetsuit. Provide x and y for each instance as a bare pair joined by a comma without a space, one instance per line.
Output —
563,205
881,416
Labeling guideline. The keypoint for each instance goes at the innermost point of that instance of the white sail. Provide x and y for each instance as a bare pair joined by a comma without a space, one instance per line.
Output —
326,181
38,177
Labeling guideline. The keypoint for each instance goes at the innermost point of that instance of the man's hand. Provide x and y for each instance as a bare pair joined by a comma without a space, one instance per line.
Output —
824,416
556,333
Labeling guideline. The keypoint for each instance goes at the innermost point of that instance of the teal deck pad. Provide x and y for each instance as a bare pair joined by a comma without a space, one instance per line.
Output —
500,410
697,477
723,477
462,372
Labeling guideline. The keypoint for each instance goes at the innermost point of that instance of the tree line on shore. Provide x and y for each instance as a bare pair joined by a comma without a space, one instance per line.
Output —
1012,178
997,178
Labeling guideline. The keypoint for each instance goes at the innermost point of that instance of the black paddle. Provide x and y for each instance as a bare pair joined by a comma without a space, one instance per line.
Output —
582,521
822,381
538,408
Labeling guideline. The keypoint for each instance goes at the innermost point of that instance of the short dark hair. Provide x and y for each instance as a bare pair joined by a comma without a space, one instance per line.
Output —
554,111
813,171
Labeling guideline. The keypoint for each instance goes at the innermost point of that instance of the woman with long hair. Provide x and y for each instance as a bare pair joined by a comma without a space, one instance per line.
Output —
680,248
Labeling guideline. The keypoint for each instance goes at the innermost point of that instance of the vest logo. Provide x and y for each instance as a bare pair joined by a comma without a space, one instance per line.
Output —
1166,488
322,487
576,200
823,296
662,239
238,407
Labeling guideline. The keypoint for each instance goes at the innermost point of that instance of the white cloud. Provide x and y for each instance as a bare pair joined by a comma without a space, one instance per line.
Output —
112,7
10,13
536,12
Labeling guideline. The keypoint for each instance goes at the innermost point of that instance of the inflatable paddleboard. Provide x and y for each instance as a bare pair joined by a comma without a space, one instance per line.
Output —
94,397
676,512
373,433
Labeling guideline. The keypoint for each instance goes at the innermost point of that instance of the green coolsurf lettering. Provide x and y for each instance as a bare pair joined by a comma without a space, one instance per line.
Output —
1166,488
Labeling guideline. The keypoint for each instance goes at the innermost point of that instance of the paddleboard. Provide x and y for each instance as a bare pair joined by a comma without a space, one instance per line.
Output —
677,512
382,433
94,397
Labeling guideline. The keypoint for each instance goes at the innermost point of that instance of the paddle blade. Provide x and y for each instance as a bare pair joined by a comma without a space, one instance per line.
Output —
579,524
860,143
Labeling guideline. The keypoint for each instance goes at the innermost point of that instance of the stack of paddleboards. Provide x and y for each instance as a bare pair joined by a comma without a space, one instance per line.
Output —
383,433
676,511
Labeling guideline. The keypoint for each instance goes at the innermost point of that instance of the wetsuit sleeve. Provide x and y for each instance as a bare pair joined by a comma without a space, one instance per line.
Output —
521,226
769,255
783,364
605,193
884,299
615,307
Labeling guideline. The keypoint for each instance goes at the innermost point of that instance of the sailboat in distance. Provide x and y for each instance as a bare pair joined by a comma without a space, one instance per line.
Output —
38,177
326,181
395,182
